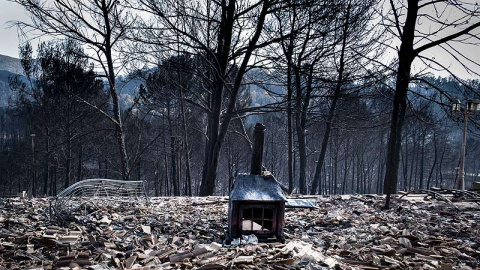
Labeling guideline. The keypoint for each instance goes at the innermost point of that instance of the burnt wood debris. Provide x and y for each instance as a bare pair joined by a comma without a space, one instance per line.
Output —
343,232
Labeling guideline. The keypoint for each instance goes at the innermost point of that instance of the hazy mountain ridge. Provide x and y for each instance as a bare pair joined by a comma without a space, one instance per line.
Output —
9,67
11,64
128,88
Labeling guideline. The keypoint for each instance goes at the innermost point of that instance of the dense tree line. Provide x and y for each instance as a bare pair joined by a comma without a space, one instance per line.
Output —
340,117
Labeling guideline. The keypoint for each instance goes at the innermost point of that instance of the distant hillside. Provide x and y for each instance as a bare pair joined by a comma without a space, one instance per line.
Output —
5,93
9,67
10,64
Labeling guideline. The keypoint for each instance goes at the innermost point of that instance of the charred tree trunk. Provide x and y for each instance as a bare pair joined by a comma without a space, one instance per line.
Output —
139,168
218,131
118,123
46,175
157,174
405,59
173,163
80,164
229,164
165,161
335,170
289,53
416,162
435,158
381,162
212,150
405,163
186,148
302,102
345,166
412,155
106,168
422,163
68,162
331,112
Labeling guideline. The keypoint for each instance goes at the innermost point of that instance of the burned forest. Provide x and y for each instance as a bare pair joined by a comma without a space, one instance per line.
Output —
241,134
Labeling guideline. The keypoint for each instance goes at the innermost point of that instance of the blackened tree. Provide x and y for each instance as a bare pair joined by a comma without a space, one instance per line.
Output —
444,32
51,103
99,25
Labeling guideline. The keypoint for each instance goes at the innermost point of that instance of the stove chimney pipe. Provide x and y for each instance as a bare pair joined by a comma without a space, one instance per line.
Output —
257,152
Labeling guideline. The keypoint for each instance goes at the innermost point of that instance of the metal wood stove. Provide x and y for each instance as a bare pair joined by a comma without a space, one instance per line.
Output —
257,203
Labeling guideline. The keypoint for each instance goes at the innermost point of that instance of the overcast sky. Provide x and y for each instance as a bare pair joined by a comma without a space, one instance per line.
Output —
8,12
13,12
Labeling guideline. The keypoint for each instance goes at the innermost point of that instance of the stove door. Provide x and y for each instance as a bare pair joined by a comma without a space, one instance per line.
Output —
258,218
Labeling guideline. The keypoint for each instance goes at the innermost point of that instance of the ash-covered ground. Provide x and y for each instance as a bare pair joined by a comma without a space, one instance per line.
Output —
343,232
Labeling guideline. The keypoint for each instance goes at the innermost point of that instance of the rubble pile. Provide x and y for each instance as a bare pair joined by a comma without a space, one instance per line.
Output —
343,232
